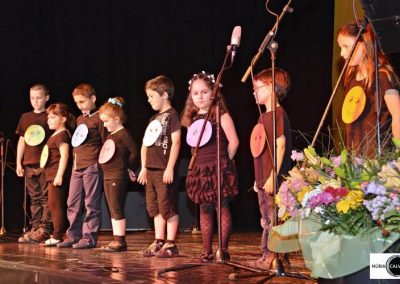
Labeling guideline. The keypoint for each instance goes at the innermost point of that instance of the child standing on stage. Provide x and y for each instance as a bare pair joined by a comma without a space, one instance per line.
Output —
116,165
263,162
359,111
29,148
57,149
201,182
159,154
86,178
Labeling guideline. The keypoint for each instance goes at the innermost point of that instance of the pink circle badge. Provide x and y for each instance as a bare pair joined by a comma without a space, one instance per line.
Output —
194,132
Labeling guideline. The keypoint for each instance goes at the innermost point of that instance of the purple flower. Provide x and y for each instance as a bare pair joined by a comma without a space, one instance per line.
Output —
336,161
297,156
323,198
358,161
375,188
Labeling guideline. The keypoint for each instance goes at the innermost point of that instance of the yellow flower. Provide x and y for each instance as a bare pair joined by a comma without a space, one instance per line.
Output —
356,198
352,200
278,199
302,192
343,206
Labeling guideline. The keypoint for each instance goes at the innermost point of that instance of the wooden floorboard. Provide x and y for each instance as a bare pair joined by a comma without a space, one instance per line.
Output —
33,263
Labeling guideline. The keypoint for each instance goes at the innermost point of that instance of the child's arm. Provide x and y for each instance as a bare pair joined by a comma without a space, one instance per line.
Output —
133,157
280,153
392,100
64,155
168,176
142,178
20,153
230,132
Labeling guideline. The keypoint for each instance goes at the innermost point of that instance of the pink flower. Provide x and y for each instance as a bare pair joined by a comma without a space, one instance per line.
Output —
297,156
336,161
323,198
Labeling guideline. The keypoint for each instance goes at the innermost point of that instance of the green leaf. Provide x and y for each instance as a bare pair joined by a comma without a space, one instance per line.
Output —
396,142
343,156
340,173
326,161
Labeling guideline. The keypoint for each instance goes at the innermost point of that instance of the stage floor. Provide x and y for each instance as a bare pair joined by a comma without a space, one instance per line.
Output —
32,263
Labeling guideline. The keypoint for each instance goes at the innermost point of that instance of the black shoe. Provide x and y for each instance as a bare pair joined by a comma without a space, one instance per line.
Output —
206,257
115,246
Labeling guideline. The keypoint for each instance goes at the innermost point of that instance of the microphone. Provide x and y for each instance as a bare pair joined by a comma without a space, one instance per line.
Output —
235,41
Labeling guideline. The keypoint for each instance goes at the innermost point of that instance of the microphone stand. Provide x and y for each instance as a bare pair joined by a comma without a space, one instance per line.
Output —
267,40
3,165
277,269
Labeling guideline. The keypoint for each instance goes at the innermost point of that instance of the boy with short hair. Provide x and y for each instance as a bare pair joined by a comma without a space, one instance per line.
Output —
159,154
29,148
263,163
86,178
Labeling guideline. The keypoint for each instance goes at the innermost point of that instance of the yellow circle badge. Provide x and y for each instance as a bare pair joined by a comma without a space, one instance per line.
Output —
44,156
353,104
34,135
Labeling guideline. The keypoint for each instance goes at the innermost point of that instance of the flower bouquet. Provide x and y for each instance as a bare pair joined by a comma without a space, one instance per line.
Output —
347,207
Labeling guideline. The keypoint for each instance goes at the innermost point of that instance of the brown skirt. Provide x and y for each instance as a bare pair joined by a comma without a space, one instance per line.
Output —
201,182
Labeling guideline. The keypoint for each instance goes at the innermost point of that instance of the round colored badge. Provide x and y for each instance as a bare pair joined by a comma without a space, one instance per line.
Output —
353,104
44,156
194,130
34,135
257,140
152,133
107,151
80,135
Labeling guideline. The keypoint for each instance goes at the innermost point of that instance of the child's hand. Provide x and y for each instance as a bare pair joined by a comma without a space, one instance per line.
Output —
142,178
132,175
57,181
255,188
168,176
268,186
19,170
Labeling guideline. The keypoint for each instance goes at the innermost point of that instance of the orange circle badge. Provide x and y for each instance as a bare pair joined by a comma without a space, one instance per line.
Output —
353,104
257,140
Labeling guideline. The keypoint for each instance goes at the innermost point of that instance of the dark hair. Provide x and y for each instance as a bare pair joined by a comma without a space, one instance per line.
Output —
368,62
114,108
40,86
190,110
282,81
61,109
85,90
161,84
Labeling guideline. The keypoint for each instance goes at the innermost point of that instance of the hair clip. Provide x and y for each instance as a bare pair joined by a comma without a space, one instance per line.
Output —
205,75
114,102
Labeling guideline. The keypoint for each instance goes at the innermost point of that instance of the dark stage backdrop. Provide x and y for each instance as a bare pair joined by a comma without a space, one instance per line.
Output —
118,45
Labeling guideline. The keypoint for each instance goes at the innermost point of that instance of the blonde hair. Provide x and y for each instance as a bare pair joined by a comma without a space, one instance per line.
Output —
114,108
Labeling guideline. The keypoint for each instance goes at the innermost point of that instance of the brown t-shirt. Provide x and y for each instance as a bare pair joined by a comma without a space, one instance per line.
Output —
263,163
360,135
53,159
208,151
157,155
125,156
32,153
87,153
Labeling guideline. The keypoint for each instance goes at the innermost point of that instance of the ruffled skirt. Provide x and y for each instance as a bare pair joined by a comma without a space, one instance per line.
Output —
201,182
